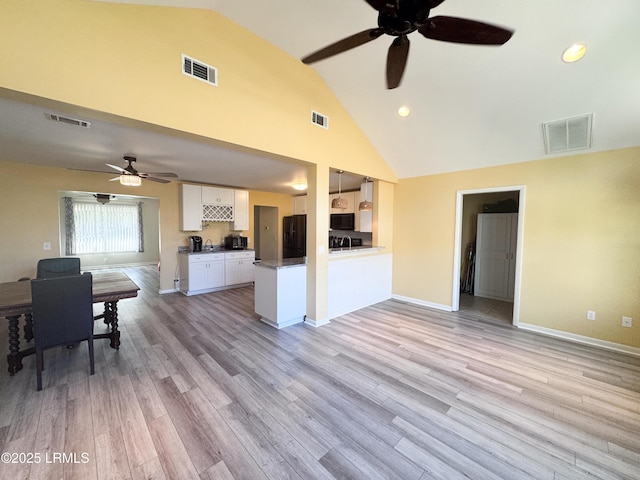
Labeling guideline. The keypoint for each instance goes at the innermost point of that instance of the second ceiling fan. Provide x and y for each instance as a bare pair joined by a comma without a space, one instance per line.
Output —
399,18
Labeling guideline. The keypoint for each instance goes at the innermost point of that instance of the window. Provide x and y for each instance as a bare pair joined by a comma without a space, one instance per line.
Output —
109,228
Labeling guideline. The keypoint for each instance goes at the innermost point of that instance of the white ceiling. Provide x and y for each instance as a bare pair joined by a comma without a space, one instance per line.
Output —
471,106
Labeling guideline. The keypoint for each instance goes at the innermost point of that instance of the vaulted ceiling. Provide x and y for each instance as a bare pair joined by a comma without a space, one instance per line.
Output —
471,106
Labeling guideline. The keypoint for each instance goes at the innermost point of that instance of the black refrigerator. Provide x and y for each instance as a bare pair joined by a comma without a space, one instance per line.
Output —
295,236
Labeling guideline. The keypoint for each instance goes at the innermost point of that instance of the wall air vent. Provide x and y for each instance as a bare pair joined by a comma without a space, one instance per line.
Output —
71,121
200,70
568,134
319,119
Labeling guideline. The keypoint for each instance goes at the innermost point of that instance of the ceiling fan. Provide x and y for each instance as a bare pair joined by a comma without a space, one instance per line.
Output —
130,171
399,18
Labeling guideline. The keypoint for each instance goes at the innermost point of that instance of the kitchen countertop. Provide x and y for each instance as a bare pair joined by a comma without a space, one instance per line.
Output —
213,250
284,263
355,250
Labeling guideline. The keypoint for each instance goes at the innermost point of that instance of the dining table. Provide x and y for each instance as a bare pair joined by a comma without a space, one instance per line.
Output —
15,303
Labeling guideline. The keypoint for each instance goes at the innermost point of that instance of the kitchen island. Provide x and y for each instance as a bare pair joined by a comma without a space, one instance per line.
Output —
281,291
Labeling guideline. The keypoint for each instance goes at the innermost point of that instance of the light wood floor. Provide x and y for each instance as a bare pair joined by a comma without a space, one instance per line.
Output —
201,389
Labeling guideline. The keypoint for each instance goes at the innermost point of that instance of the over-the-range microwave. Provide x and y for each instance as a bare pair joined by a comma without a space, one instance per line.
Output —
342,221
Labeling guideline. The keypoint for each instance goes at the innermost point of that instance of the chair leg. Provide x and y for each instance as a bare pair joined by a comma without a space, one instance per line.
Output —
39,361
91,361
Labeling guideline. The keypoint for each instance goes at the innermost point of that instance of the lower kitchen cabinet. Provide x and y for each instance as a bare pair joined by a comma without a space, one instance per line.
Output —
239,267
208,272
201,273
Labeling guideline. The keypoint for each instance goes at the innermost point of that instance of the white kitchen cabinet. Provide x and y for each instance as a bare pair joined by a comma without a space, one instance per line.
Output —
241,210
239,267
495,265
201,273
300,205
350,197
217,204
364,219
281,294
217,195
190,208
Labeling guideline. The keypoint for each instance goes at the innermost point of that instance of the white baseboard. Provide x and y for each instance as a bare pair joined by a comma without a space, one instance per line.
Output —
168,290
572,337
423,303
317,323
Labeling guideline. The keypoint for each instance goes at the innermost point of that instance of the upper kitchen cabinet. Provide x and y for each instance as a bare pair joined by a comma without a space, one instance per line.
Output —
300,205
217,204
364,219
190,207
217,196
241,210
210,204
350,197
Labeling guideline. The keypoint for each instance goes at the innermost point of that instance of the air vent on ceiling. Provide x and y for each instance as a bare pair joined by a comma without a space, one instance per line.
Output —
568,134
319,119
200,70
71,121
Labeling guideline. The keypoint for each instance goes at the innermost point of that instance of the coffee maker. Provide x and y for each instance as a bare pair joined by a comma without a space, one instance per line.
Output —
195,243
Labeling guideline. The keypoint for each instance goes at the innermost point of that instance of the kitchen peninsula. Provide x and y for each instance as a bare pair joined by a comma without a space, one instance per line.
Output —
358,277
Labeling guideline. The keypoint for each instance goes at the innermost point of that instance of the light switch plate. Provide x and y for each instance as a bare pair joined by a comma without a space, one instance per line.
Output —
46,246
627,321
591,315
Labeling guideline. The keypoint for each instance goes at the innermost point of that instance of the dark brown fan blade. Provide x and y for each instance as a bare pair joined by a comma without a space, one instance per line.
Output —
379,5
158,174
344,45
461,30
397,60
159,180
434,3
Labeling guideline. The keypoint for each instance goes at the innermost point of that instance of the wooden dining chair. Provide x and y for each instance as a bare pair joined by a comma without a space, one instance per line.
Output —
62,315
58,267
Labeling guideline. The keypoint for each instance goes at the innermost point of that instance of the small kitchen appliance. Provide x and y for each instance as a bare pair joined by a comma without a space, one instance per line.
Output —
233,242
195,243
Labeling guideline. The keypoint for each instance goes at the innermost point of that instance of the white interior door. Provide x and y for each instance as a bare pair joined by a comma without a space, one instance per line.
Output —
495,259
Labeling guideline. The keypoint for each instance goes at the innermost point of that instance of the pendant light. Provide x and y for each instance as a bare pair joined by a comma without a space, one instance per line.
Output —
365,206
339,202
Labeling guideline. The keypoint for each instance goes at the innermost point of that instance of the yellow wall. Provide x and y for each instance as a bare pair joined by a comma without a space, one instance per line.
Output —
125,60
581,245
29,215
122,63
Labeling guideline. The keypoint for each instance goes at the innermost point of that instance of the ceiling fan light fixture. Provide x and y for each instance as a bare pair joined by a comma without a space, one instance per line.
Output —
129,180
574,53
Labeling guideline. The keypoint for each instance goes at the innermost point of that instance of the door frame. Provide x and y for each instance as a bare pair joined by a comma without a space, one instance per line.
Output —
457,254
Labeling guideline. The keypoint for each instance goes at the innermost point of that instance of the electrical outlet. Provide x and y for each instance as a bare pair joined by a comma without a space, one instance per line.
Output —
176,284
591,315
627,321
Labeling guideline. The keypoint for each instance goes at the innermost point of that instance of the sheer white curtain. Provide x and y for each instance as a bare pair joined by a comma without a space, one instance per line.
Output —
111,228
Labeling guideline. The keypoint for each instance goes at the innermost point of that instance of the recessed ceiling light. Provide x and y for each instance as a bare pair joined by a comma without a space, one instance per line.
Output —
574,53
404,111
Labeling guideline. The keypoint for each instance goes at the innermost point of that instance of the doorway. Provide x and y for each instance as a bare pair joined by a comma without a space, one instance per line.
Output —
469,204
265,227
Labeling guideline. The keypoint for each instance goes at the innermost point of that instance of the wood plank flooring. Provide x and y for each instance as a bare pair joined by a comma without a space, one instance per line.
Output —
200,389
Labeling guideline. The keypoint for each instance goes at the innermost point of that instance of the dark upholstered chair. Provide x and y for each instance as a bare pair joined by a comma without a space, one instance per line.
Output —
62,314
58,267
